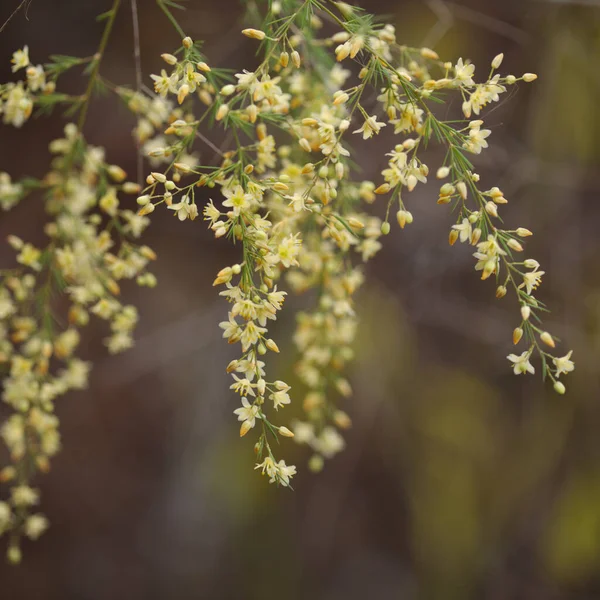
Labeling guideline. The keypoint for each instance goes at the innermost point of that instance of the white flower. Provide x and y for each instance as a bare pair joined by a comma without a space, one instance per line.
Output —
236,199
164,83
280,398
564,364
465,230
521,363
531,280
247,413
477,141
464,73
20,59
369,127
285,472
185,209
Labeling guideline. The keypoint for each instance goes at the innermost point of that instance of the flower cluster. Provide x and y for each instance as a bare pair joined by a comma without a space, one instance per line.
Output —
282,190
48,297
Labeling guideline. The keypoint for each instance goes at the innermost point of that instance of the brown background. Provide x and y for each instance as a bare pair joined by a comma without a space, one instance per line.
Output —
460,481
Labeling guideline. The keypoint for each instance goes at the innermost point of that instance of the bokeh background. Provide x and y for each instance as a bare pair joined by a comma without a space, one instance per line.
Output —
460,481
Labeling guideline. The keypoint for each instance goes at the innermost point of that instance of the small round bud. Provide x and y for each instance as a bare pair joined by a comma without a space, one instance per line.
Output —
385,228
187,42
559,387
529,77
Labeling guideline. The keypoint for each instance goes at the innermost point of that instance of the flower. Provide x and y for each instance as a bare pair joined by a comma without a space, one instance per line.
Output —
463,73
531,280
465,229
20,59
163,83
236,199
369,127
521,363
564,364
248,413
477,140
184,209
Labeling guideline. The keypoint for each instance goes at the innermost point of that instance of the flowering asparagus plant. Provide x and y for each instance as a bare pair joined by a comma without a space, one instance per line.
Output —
284,193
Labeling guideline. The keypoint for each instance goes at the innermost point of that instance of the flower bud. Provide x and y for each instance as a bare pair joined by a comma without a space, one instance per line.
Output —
547,339
286,432
497,61
522,232
517,335
559,387
525,312
256,34
169,59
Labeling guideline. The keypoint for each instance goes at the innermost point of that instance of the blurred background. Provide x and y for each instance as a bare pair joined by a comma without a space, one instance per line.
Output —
460,481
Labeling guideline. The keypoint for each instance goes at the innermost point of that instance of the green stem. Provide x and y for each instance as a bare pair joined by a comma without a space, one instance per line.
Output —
97,60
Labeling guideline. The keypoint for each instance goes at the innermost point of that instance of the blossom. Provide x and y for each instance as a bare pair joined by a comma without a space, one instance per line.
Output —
248,413
531,280
465,229
521,363
477,140
236,199
564,364
163,83
185,209
369,127
463,73
20,59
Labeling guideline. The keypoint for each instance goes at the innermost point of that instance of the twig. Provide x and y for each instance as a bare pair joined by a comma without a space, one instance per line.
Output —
138,78
24,3
96,68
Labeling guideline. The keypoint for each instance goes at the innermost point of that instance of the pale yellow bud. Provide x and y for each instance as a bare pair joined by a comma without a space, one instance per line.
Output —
559,387
286,432
452,237
429,53
517,335
202,66
169,59
245,428
512,243
547,339
475,236
497,61
522,232
256,34
529,77
500,291
384,188
305,144
342,420
187,42
491,209
296,59
525,312
222,112
443,172
284,59
271,345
